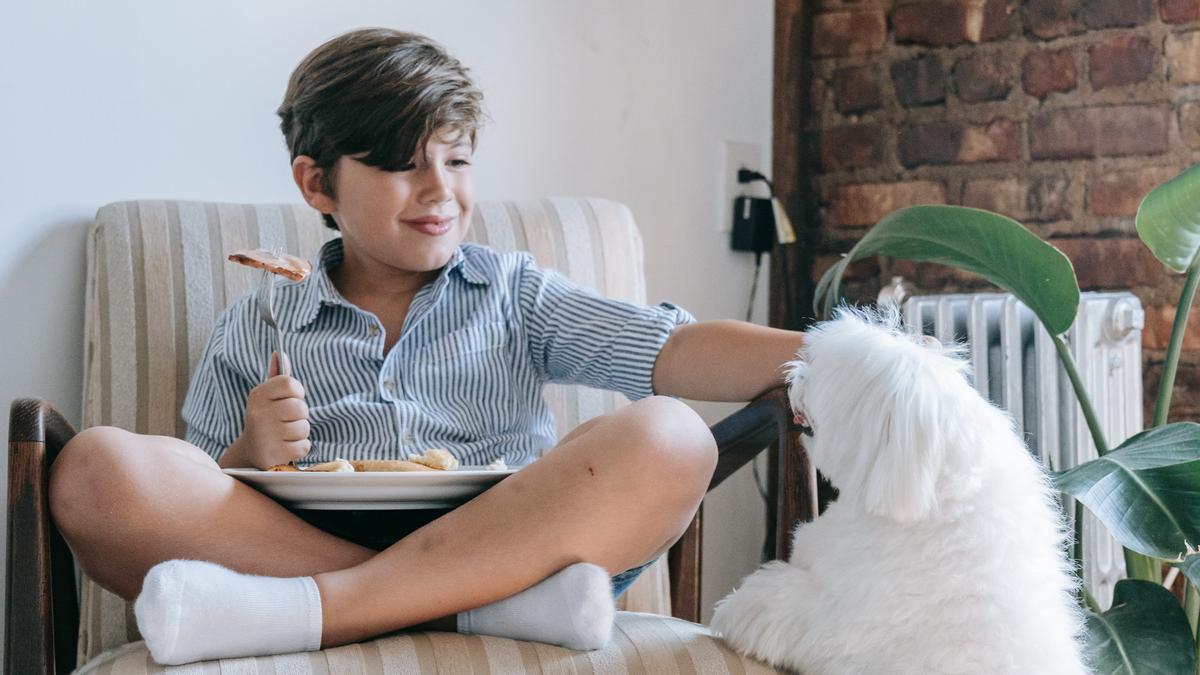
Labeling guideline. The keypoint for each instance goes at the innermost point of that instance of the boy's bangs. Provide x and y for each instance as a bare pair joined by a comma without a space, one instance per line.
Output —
391,151
398,148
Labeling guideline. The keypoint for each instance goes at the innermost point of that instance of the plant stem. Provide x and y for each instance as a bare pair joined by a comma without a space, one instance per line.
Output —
1166,384
1138,566
1191,605
1077,546
1090,602
1086,599
1081,395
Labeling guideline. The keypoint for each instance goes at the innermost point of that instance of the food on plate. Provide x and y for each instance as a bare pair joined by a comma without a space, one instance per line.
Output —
336,466
436,458
389,465
283,264
498,465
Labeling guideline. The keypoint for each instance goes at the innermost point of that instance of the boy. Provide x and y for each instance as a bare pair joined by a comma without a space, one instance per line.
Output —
407,339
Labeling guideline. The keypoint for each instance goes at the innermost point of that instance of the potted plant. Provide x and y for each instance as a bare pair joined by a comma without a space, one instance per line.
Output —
1146,490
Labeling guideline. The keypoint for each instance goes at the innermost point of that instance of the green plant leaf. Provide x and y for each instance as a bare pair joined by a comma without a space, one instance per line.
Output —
823,289
997,248
1191,569
1145,631
1146,491
1168,220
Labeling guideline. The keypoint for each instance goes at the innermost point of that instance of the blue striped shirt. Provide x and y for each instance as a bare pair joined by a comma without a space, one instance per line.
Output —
466,374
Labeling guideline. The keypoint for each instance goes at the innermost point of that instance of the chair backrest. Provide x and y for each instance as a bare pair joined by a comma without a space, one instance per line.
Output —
157,280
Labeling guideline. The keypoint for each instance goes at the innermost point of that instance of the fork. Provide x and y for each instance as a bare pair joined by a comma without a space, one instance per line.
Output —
266,311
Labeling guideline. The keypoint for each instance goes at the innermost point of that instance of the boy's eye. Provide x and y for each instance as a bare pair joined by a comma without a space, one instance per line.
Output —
458,163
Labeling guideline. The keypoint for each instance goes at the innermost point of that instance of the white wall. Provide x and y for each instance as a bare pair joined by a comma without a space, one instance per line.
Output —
624,99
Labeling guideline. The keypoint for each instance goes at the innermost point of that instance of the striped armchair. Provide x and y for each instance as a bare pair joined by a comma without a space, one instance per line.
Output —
157,280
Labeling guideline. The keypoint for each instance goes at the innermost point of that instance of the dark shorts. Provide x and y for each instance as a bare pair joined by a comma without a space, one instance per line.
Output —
380,529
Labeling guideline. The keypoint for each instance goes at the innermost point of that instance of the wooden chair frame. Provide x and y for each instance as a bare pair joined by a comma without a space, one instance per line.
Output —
42,609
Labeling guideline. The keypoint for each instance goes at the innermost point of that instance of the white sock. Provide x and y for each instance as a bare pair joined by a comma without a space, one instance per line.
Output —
573,608
191,610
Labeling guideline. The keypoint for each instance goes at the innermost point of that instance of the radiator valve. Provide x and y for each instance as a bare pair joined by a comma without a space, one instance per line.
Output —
1124,317
893,294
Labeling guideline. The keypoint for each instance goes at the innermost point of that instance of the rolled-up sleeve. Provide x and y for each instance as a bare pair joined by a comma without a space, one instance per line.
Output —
215,408
576,336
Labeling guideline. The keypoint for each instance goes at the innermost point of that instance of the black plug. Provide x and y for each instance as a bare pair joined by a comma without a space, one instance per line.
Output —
745,175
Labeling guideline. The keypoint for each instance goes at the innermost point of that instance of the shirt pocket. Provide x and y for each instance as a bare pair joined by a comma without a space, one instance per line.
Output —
466,380
465,345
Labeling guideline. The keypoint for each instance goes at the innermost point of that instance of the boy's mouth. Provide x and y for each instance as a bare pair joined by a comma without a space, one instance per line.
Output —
431,225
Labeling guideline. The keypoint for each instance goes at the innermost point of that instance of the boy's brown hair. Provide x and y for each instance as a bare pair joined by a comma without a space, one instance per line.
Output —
378,93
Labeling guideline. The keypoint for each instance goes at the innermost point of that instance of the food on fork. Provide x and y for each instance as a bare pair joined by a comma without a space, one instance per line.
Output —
283,264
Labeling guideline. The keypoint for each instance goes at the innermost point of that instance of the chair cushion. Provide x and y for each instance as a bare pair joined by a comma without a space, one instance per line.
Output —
642,643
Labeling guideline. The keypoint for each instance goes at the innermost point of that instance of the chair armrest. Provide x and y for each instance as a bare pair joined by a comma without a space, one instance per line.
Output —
792,479
765,421
744,434
42,612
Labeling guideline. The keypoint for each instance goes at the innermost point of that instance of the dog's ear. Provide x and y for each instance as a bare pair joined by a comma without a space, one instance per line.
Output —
901,479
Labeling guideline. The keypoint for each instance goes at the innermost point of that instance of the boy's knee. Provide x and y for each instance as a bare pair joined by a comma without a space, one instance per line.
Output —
87,453
677,439
84,471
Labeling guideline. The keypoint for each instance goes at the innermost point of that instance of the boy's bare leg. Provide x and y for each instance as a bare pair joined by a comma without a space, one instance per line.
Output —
616,492
126,502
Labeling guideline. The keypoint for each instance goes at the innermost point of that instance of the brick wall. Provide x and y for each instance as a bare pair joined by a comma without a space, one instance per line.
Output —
1061,114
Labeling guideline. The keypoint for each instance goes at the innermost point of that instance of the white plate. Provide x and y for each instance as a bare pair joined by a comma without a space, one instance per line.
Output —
371,489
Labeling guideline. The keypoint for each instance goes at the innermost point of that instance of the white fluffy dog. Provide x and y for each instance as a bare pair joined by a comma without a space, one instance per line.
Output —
944,552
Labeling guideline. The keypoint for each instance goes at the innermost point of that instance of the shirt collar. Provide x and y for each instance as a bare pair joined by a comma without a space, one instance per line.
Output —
318,290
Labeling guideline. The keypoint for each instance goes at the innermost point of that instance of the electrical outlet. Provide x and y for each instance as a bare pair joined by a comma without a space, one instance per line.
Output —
734,155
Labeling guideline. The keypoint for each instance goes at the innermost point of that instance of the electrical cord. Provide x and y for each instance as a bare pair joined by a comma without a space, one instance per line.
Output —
754,285
746,176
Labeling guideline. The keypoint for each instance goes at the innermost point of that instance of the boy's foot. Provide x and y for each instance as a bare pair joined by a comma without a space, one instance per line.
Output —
191,610
572,608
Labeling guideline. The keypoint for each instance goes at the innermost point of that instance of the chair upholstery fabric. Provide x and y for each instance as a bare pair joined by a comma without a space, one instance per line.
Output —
158,278
643,644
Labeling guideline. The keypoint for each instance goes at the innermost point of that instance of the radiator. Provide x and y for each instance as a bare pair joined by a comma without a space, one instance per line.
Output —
1014,364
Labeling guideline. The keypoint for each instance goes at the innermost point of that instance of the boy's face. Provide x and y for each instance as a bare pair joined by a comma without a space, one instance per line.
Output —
409,220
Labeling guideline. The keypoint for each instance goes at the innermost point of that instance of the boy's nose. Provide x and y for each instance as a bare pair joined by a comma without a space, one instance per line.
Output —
435,188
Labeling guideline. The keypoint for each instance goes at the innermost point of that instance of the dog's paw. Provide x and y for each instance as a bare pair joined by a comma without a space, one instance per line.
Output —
756,619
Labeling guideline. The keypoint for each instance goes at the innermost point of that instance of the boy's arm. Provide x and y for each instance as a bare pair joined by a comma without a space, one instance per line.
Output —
724,360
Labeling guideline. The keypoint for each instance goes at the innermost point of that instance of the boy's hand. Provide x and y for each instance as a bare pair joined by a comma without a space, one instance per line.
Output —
276,421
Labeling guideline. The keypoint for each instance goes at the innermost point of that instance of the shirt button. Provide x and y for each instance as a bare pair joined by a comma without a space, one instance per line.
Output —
389,384
408,438
373,330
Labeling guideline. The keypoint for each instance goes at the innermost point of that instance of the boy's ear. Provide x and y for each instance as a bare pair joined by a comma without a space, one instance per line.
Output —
309,178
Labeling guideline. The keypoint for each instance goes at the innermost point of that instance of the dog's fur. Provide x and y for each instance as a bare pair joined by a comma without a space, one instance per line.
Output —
945,550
